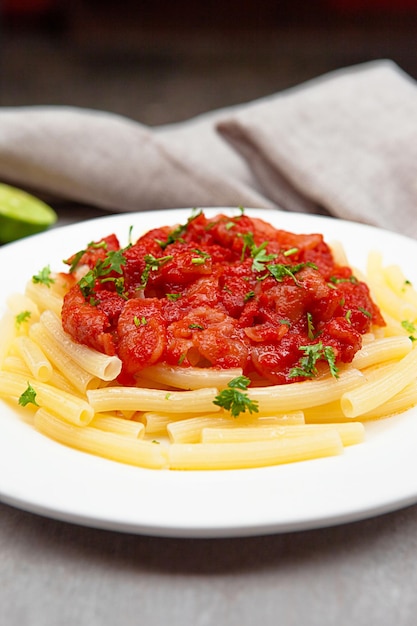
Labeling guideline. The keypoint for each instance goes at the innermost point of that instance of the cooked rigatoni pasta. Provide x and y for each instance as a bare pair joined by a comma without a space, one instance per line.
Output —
172,417
97,364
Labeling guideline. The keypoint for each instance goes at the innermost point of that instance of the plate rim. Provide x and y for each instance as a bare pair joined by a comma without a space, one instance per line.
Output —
216,526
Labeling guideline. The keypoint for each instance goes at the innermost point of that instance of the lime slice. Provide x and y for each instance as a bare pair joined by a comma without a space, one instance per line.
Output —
21,214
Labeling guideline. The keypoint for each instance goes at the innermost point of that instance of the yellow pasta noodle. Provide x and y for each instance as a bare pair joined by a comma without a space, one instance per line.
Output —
44,297
69,407
189,430
35,359
350,433
139,399
210,456
110,445
118,425
374,393
190,377
97,364
77,375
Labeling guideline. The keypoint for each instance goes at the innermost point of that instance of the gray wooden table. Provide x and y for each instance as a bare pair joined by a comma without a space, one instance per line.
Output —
57,574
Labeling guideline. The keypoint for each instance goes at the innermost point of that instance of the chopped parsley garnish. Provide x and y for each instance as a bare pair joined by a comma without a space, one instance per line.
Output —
201,258
234,398
313,353
140,321
152,264
28,396
44,277
113,262
195,326
335,280
76,258
258,253
249,295
310,326
290,251
173,296
280,271
410,328
179,231
364,311
22,317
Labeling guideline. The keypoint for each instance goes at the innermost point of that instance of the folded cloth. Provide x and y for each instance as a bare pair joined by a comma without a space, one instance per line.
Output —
344,144
108,161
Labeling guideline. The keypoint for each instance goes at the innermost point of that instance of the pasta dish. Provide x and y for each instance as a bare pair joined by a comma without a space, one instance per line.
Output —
218,343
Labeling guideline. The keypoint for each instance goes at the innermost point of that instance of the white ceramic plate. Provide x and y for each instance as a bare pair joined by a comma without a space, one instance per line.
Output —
41,476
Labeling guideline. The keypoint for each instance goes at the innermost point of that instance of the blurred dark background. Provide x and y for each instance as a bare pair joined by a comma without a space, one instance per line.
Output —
163,61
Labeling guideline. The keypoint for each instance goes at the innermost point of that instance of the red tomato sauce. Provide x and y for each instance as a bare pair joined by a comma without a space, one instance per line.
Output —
223,292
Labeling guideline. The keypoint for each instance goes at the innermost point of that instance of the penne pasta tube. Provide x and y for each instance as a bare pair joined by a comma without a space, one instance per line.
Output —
399,403
99,365
15,365
388,299
190,377
110,445
332,412
296,396
139,399
350,433
379,390
211,456
67,406
18,302
7,333
77,376
156,423
118,425
44,297
189,430
339,253
35,359
380,350
397,281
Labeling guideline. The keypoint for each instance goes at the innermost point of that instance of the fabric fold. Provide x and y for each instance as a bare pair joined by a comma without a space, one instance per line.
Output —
108,161
343,144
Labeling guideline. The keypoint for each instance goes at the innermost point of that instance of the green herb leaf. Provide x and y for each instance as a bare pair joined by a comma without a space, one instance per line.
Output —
152,264
410,328
290,251
44,277
313,353
22,317
28,396
335,280
234,398
179,231
310,326
280,271
76,258
258,253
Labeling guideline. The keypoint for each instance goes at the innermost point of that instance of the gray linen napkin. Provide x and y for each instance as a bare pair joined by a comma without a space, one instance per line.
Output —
108,161
343,144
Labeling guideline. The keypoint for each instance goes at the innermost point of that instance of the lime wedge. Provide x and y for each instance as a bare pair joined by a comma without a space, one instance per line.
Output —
21,214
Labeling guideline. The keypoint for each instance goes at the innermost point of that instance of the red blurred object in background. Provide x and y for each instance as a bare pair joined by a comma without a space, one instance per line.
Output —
349,7
27,7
